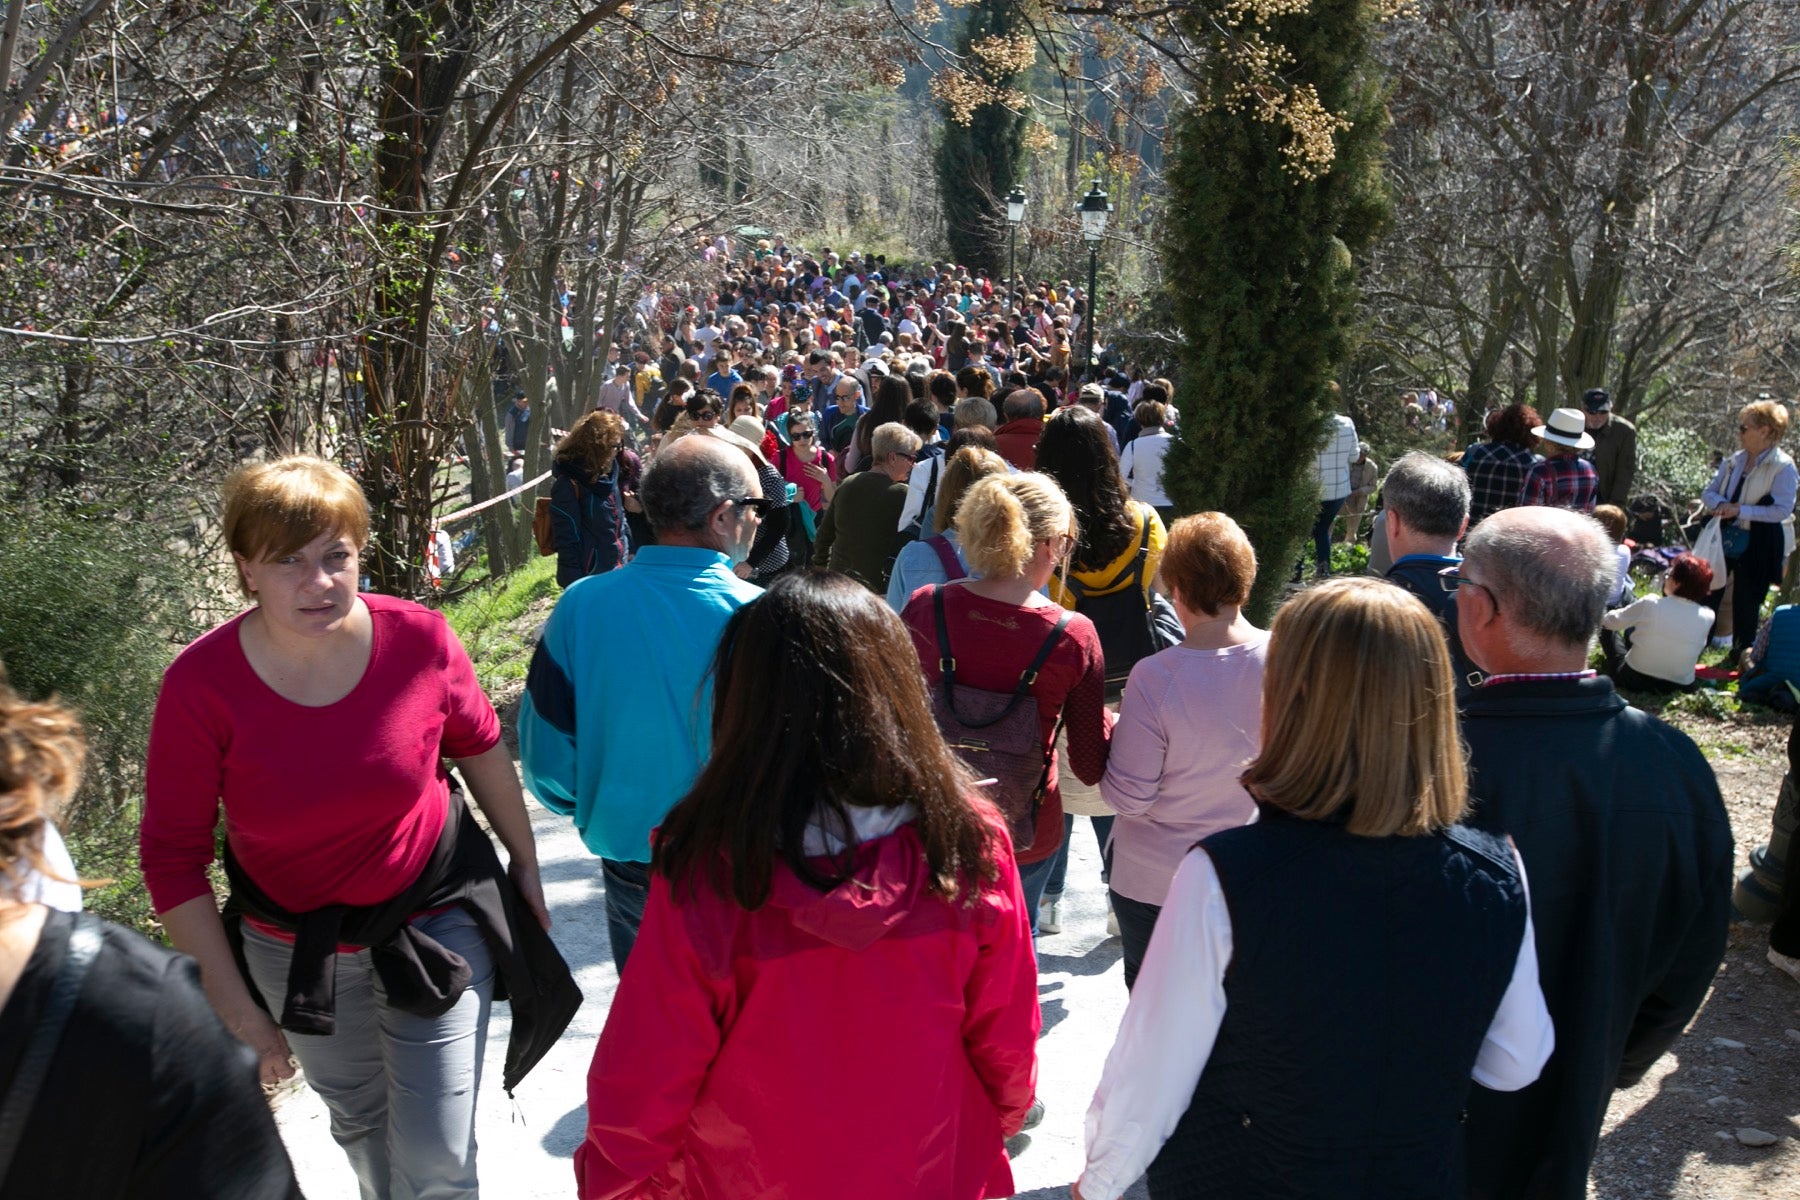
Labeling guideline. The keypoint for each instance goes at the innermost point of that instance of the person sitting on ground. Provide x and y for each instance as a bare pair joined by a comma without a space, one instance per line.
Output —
1141,462
1187,724
1326,983
939,557
1563,479
815,927
1653,644
1612,519
1773,661
860,531
140,1091
1427,505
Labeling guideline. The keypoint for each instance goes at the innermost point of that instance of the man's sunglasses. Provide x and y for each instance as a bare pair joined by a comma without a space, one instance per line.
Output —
763,507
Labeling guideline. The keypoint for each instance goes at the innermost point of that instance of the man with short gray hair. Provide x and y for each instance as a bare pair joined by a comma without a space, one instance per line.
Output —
617,717
860,533
1427,504
1622,831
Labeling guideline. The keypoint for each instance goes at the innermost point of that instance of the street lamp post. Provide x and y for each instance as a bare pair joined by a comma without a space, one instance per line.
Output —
1092,210
1015,212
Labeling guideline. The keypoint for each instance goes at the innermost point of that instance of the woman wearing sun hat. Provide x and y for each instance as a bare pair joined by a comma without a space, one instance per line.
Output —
1564,479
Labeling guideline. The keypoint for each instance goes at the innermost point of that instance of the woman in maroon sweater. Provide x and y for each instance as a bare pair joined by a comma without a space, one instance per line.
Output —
319,721
1017,531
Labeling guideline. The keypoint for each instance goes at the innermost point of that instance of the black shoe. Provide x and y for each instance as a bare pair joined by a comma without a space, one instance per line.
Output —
1034,1116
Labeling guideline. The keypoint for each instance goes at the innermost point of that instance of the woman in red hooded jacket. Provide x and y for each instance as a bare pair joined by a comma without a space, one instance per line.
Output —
833,993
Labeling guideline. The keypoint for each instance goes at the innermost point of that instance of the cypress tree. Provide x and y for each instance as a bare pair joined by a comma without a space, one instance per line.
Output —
979,160
1257,245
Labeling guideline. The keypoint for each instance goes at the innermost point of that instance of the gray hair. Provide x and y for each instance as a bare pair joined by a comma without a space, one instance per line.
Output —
1429,494
974,410
687,481
893,438
1550,570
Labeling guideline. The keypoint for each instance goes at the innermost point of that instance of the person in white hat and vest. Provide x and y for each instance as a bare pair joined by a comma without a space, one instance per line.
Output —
1564,479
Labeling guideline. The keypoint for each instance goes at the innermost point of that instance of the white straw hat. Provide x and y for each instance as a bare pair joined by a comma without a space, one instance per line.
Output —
1566,427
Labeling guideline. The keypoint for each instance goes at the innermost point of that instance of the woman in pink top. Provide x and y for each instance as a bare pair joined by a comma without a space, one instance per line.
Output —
1189,721
319,721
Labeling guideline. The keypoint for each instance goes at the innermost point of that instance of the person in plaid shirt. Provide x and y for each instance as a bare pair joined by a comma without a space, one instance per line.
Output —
1563,480
1497,467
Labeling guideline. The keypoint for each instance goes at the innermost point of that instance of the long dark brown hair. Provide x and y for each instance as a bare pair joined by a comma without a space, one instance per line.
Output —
892,395
1075,451
819,707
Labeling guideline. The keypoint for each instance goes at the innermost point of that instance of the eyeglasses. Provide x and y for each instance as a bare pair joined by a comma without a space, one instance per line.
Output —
1745,428
801,435
1451,578
756,504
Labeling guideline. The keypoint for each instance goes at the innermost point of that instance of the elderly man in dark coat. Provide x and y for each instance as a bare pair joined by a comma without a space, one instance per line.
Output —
1622,829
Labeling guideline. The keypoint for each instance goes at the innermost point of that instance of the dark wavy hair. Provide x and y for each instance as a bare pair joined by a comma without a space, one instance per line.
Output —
820,654
1076,452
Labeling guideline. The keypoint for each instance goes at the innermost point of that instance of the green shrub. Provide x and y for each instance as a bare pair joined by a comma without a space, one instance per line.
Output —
1672,464
91,611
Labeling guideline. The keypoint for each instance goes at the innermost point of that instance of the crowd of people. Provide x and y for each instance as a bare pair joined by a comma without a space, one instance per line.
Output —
1404,889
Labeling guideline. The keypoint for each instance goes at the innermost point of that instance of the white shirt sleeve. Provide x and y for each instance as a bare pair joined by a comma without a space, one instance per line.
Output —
1167,1033
1520,1040
916,480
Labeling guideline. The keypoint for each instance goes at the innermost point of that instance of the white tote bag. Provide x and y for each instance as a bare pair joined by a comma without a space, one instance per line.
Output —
1710,545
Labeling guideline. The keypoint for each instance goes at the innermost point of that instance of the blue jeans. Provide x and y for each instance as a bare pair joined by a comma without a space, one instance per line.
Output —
627,886
1136,922
400,1088
1102,835
1032,878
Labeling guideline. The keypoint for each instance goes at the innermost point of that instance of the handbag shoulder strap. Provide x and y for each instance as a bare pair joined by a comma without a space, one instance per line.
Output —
84,947
947,662
953,568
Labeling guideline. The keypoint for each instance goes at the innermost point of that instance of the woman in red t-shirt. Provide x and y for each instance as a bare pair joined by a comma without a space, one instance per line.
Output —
319,721
1017,532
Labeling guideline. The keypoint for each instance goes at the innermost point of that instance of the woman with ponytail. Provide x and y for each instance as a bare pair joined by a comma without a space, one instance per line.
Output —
1016,533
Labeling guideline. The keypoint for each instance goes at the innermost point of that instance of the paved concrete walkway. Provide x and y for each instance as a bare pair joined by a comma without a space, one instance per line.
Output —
526,1148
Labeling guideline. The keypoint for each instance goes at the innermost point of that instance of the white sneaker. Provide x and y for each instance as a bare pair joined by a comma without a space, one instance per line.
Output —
1721,643
1048,921
1784,962
1112,922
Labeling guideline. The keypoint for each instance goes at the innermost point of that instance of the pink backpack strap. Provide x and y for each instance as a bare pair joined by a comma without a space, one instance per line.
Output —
953,568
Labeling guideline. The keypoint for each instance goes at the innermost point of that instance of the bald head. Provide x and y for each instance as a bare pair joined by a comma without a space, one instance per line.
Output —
1549,570
689,479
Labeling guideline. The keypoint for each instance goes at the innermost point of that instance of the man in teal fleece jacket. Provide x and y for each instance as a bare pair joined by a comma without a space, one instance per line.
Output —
617,714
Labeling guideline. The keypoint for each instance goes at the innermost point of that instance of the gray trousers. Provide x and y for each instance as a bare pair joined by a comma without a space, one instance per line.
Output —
400,1088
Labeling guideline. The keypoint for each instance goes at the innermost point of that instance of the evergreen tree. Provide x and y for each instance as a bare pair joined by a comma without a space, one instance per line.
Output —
1263,220
980,158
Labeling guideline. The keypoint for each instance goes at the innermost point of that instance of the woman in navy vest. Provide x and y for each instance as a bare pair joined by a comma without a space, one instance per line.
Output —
1323,984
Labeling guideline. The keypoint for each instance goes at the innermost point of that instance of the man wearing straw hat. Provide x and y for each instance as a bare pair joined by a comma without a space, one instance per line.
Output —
1564,479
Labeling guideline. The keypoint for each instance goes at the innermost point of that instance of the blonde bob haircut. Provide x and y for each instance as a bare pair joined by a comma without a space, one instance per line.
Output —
966,466
1359,713
1767,413
1002,518
272,509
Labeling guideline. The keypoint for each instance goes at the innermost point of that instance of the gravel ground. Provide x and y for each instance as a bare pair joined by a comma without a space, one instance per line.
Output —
1674,1135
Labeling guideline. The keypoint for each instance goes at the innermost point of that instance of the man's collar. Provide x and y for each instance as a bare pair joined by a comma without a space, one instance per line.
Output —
1538,677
